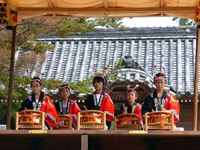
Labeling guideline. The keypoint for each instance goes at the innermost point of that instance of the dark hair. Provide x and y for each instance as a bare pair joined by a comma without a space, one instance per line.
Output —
36,79
64,86
136,94
100,79
131,89
159,75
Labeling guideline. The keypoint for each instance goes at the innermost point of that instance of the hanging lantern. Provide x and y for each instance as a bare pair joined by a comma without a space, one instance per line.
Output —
197,19
3,13
12,19
8,17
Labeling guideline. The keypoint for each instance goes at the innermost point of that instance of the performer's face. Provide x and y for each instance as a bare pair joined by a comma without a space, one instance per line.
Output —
98,85
160,85
131,96
64,93
36,87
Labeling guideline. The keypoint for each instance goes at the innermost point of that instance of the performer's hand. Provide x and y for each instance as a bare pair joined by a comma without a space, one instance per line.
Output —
73,101
106,127
163,109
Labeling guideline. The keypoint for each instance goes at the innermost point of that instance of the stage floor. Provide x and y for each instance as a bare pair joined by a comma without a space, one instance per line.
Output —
100,140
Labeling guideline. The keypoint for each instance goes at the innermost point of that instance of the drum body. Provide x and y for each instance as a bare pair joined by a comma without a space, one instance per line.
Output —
65,122
92,120
30,119
128,121
160,120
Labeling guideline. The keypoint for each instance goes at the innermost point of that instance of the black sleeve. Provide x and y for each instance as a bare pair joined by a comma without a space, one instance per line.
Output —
88,102
145,106
56,104
121,111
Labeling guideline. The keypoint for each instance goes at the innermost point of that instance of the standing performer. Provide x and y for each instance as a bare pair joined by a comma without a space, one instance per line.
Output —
160,100
66,106
41,102
131,106
100,100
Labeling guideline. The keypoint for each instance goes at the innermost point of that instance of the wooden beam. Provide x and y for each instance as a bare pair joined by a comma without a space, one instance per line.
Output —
109,12
196,79
119,10
161,6
50,3
105,3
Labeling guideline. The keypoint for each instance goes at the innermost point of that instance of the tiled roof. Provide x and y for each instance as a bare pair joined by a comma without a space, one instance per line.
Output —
74,58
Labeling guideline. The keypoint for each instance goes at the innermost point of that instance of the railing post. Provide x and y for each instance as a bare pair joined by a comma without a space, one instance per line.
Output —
84,142
196,82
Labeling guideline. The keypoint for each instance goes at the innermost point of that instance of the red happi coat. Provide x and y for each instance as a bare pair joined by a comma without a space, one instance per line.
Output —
50,111
108,107
74,110
173,105
138,111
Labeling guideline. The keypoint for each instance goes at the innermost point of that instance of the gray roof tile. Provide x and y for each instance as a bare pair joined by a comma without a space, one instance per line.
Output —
78,56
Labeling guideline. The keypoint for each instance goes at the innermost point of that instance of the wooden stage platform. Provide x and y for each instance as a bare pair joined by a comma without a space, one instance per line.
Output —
98,140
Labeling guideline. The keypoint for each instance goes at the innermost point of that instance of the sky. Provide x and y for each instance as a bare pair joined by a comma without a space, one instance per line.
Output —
149,22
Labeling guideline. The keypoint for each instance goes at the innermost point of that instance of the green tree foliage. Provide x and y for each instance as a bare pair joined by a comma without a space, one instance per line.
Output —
4,49
20,86
184,22
86,86
15,108
112,75
51,84
82,25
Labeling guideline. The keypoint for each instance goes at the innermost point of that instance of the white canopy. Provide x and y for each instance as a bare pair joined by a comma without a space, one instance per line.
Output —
105,8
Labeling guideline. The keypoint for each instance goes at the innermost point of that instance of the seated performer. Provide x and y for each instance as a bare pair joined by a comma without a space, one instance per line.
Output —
160,100
131,106
66,106
41,102
100,100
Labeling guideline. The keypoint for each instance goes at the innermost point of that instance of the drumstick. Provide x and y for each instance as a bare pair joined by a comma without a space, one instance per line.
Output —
84,107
